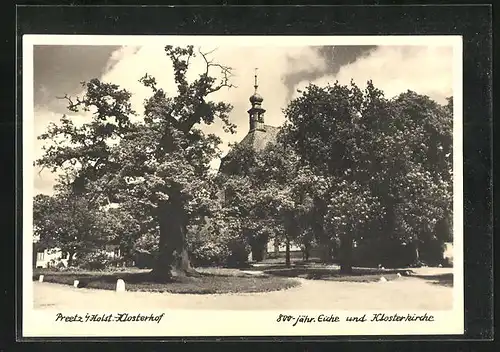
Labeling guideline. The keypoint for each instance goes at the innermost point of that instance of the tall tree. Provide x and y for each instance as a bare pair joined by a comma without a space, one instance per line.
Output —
423,142
160,161
288,187
325,127
277,193
380,158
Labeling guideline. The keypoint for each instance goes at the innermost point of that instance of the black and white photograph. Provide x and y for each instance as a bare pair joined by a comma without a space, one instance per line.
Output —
251,185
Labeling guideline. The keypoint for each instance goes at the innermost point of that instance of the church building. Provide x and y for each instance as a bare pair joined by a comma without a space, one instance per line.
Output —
259,136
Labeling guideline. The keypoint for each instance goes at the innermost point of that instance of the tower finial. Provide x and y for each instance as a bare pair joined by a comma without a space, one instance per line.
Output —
256,84
256,98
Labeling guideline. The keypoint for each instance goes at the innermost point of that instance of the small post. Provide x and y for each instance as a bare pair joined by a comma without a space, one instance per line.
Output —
40,278
120,285
75,283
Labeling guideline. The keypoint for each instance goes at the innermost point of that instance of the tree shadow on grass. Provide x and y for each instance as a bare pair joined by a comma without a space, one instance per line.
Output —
357,275
202,284
282,265
445,280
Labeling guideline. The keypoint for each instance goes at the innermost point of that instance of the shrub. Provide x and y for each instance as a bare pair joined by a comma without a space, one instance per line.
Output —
97,260
116,262
143,260
207,251
56,264
208,247
70,269
431,252
238,254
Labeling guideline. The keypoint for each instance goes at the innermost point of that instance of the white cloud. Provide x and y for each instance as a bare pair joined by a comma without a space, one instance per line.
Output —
395,69
272,63
120,54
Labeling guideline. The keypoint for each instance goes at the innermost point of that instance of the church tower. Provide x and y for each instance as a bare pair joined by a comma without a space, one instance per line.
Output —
256,112
257,138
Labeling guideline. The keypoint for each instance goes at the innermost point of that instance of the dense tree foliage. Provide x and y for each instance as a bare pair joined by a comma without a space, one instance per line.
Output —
386,163
68,222
269,193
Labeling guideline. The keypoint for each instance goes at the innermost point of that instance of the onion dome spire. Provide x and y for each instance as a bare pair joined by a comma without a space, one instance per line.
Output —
256,97
256,112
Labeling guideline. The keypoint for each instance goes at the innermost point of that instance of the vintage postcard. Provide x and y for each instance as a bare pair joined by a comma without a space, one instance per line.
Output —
242,186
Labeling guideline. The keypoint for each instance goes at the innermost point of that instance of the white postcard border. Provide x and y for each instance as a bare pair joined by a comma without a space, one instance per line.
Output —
41,323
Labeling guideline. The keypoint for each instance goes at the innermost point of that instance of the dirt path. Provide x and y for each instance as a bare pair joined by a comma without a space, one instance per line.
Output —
403,293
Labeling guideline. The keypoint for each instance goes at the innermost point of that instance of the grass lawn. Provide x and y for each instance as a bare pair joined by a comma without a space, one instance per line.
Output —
211,281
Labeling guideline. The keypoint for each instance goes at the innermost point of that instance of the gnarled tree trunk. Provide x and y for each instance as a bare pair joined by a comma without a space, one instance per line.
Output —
173,259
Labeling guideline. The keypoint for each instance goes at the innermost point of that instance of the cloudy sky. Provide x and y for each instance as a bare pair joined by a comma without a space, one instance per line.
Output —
58,70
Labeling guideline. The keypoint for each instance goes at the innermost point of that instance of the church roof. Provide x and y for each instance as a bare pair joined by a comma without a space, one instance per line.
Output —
256,139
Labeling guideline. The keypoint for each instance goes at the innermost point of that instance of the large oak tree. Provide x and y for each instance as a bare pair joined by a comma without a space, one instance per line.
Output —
158,159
